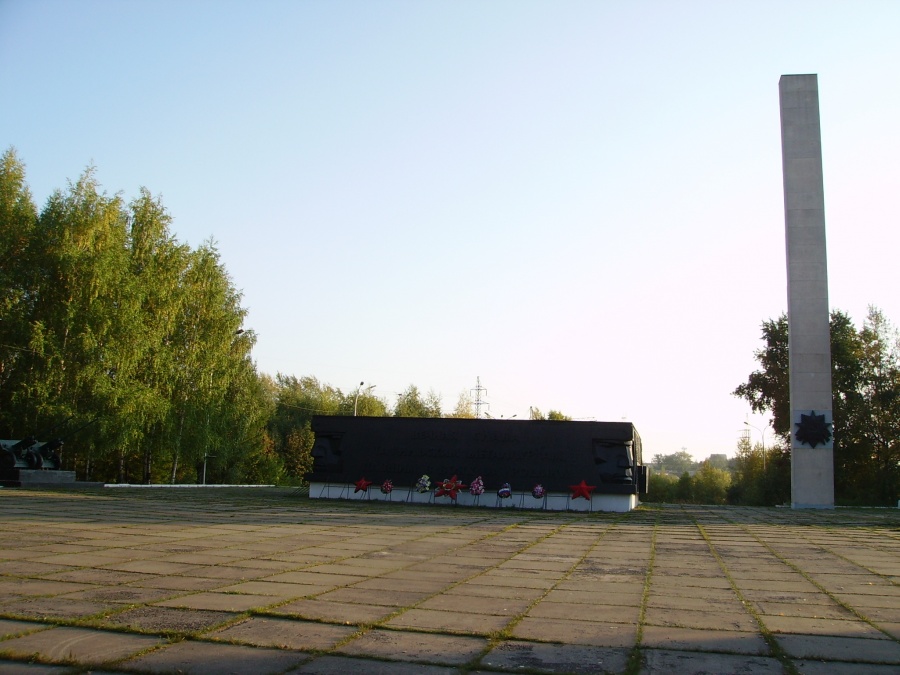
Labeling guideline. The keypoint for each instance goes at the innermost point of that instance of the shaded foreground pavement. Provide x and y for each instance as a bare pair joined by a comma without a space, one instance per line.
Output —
268,581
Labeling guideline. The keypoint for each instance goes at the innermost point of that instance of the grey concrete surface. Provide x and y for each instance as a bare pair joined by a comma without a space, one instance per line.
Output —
269,581
812,468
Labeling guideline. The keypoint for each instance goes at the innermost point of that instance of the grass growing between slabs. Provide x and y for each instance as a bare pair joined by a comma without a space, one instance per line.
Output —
269,576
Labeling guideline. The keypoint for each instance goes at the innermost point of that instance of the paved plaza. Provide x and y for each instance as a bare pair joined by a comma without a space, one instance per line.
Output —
265,580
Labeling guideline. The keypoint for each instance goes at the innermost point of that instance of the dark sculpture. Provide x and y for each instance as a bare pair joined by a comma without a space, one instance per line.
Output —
29,454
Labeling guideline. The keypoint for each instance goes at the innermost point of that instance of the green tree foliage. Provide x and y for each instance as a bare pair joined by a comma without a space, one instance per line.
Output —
866,402
290,426
661,489
676,463
760,476
18,218
710,484
295,401
410,403
465,407
536,414
107,319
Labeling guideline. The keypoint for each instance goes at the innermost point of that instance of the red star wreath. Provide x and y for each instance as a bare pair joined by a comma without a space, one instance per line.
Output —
362,485
582,490
450,487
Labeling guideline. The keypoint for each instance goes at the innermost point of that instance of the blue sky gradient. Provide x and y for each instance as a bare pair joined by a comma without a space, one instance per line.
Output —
578,202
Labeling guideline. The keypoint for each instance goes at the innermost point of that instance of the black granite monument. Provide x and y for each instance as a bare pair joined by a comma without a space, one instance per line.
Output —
554,454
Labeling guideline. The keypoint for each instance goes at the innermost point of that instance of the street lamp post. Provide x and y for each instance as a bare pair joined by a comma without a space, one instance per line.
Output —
206,456
356,398
762,435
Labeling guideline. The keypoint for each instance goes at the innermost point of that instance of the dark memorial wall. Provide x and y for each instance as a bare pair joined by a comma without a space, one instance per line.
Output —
556,454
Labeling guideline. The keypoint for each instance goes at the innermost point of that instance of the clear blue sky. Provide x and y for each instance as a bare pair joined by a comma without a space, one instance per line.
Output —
578,202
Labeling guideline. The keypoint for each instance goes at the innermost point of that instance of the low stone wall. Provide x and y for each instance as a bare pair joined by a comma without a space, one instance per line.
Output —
551,501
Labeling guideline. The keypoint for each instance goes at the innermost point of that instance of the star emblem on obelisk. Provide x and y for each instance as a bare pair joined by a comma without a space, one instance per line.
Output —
812,429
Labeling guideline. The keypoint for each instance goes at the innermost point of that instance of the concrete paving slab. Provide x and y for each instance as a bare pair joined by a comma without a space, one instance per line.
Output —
716,603
341,665
842,668
509,581
373,597
787,609
451,622
355,550
79,645
37,587
150,567
593,633
167,620
178,583
553,658
831,648
622,596
275,588
27,568
223,602
892,629
665,662
710,618
406,646
259,568
284,634
695,639
311,576
503,592
10,628
886,601
585,612
337,612
476,605
426,586
210,658
443,577
18,668
53,608
225,573
98,576
834,627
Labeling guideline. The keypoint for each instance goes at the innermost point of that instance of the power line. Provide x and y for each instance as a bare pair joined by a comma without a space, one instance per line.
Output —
478,400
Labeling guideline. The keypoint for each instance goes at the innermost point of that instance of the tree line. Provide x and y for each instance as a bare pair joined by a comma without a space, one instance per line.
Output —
112,328
865,371
130,345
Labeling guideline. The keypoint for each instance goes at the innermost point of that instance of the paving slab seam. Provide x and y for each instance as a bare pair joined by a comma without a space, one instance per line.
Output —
268,610
505,632
636,656
775,649
365,628
824,590
493,639
380,624
531,559
858,564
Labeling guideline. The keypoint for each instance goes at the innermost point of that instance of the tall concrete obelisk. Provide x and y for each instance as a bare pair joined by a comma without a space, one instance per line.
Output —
809,344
